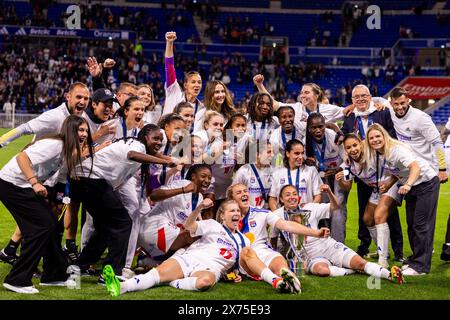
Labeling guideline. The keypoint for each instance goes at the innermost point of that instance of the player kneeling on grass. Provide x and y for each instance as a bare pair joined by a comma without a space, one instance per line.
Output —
327,257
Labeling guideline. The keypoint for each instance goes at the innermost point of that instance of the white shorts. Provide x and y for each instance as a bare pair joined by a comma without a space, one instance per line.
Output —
157,235
330,252
266,255
193,261
392,193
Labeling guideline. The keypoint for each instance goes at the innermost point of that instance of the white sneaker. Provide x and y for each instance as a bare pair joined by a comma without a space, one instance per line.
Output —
127,273
411,272
67,283
26,290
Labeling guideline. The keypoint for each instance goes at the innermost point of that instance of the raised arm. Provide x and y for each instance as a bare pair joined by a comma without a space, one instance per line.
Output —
258,80
191,221
171,76
334,202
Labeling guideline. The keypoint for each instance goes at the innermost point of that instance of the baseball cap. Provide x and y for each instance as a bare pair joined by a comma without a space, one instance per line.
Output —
102,95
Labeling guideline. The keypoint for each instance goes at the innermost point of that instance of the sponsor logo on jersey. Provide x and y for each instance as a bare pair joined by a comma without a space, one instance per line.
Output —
252,180
181,216
282,181
224,242
252,223
402,137
303,189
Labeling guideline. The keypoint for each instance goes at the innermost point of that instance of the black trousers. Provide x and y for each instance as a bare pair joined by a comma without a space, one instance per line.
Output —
395,227
111,221
38,225
421,207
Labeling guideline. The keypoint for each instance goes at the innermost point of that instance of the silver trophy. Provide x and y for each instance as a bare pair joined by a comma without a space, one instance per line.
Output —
295,255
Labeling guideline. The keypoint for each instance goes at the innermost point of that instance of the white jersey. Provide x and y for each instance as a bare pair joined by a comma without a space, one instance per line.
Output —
398,161
417,129
367,173
121,130
216,244
176,209
49,122
111,163
261,130
278,139
308,184
174,95
94,127
153,116
330,112
246,175
254,226
222,171
46,159
333,154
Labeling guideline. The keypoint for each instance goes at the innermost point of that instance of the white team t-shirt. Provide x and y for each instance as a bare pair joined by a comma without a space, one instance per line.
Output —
46,159
400,158
333,155
175,95
330,112
261,130
49,122
417,129
246,176
254,226
309,184
111,163
153,116
176,209
276,139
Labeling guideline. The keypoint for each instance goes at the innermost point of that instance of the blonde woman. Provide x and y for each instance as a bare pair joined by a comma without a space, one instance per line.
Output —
419,185
153,111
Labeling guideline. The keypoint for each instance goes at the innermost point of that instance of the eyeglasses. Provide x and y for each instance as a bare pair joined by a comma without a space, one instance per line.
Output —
361,96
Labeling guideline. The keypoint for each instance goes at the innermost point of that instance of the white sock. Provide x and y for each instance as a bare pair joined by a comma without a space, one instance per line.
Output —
185,284
373,234
268,276
383,235
140,282
338,272
376,270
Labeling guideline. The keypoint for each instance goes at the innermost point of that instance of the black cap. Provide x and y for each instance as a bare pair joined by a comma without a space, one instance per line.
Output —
102,95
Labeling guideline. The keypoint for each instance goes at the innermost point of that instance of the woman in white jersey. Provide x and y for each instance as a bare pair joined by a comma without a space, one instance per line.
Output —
153,111
24,195
383,198
328,257
295,172
261,121
323,153
186,111
217,98
192,82
420,186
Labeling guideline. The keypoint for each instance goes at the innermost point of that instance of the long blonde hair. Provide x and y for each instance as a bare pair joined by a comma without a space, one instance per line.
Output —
152,104
389,143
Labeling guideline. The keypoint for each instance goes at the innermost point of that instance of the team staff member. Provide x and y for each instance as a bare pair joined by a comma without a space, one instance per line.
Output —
23,194
420,185
363,115
415,128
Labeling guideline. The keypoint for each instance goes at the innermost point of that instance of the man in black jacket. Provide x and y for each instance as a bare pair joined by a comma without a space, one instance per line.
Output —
358,121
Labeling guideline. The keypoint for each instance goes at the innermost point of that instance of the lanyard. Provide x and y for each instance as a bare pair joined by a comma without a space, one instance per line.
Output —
258,178
66,198
163,173
309,112
283,136
263,127
236,264
243,224
359,123
381,174
320,154
194,201
297,182
124,130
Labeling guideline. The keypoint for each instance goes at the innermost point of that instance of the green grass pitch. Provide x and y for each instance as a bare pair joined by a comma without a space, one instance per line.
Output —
436,285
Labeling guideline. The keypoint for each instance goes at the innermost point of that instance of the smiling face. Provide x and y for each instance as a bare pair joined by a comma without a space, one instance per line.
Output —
135,113
308,97
286,117
219,94
400,105
83,131
102,110
295,156
173,129
289,197
153,141
354,149
361,98
202,178
196,149
240,195
193,85
317,129
376,140
214,126
239,126
77,100
145,95
230,216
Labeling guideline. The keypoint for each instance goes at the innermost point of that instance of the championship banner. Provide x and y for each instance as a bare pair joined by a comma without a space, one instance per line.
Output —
427,87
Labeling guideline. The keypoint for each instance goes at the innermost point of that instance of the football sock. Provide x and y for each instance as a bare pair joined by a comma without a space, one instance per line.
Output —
373,234
383,235
338,272
140,282
268,276
185,284
376,270
11,248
